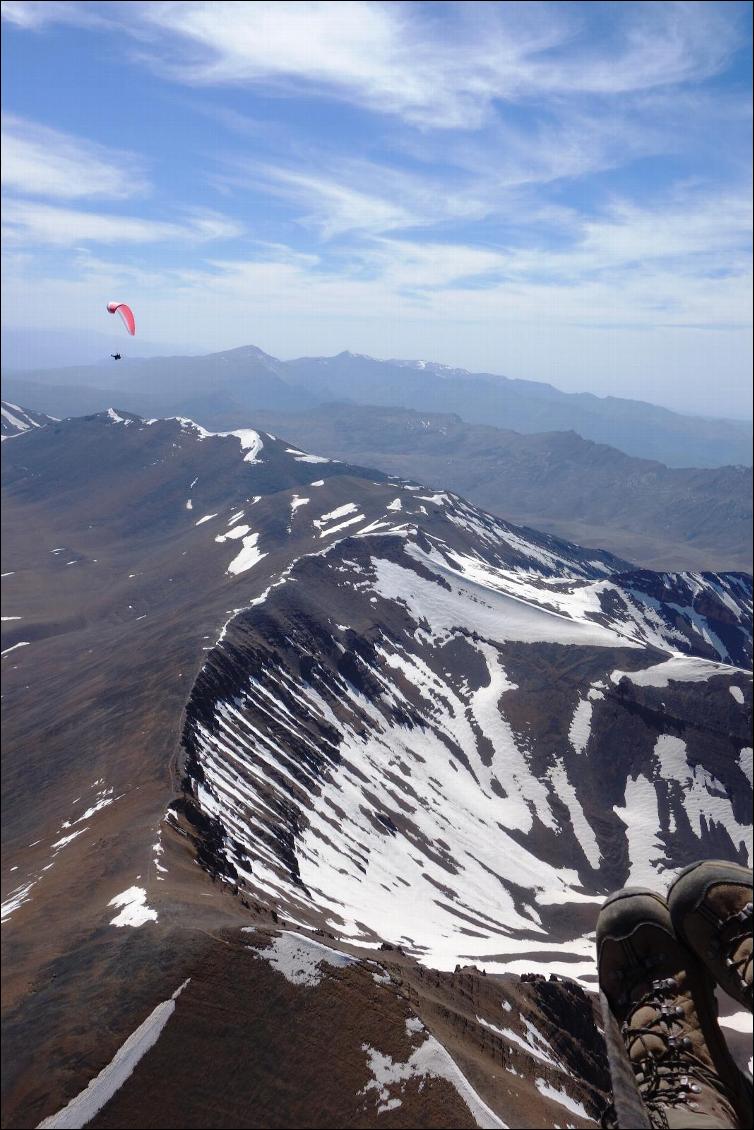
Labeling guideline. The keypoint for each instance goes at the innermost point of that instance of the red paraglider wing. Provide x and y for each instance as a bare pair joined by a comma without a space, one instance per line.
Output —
126,314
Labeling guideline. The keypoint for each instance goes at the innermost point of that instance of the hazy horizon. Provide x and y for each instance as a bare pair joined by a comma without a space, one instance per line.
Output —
151,351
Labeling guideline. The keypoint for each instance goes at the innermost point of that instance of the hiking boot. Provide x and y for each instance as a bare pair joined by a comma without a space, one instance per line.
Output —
711,908
661,1003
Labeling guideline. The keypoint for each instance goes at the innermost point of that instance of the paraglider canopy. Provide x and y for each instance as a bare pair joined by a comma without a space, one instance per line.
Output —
126,315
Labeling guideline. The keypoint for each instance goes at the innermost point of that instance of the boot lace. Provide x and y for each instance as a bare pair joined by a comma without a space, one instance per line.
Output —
670,1076
734,931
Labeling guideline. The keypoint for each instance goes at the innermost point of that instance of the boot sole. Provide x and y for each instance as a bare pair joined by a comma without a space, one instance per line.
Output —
611,923
630,892
735,874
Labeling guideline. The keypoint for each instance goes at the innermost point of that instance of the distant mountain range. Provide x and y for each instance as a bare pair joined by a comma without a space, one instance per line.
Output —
658,517
307,765
224,390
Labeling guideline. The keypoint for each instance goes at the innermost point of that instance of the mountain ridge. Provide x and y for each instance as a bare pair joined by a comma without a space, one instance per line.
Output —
247,379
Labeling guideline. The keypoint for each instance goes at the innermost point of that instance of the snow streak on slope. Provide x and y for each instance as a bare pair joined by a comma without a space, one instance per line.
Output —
16,420
86,1105
395,737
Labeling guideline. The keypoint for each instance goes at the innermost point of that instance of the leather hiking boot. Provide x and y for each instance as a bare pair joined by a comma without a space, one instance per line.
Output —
711,908
660,1007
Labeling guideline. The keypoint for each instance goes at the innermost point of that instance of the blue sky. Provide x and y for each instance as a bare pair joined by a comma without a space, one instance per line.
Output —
557,192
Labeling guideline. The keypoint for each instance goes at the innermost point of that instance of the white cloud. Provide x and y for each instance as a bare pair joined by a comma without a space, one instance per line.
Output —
655,45
33,14
334,195
399,58
705,232
406,265
335,207
27,222
40,161
26,13
689,236
646,269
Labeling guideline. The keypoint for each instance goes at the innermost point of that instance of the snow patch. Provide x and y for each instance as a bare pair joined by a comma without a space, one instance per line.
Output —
299,958
249,556
679,668
738,1022
333,515
303,457
562,1098
134,909
429,1059
581,725
641,818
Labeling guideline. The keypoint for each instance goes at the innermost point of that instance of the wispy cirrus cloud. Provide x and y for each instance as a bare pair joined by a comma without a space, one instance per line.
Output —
389,283
40,161
33,223
35,14
336,196
399,58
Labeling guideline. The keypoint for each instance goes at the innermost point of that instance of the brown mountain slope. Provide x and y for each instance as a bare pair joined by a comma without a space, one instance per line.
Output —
223,653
